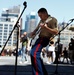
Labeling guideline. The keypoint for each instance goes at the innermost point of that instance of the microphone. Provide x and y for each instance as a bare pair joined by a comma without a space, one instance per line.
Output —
25,4
71,19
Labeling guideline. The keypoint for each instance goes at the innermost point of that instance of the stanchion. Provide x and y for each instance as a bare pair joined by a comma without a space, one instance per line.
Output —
56,70
16,26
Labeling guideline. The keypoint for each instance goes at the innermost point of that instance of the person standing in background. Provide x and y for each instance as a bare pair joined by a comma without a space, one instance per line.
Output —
71,50
65,54
51,52
24,49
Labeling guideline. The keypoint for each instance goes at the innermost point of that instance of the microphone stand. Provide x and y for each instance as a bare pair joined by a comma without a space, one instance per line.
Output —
15,26
56,71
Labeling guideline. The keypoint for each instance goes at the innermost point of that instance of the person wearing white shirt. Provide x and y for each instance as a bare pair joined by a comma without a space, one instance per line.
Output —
51,52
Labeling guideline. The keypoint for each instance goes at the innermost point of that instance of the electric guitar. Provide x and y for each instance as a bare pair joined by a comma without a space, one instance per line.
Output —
36,36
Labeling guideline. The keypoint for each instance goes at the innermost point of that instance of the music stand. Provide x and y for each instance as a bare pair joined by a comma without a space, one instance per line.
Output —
15,26
56,70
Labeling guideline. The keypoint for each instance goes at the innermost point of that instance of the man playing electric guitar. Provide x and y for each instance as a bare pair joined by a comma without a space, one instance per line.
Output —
47,30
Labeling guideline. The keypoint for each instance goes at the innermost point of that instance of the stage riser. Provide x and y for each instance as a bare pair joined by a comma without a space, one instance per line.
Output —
26,70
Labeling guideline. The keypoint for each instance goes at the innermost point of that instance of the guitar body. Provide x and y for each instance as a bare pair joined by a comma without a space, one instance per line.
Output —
33,40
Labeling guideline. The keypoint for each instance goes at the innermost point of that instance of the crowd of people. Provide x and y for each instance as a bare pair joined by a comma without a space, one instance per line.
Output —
49,52
59,55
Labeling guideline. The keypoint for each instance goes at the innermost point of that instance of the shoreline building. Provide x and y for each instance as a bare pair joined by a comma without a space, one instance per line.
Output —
65,34
31,22
8,20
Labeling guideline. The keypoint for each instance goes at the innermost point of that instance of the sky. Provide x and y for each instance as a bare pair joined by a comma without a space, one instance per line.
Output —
63,10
